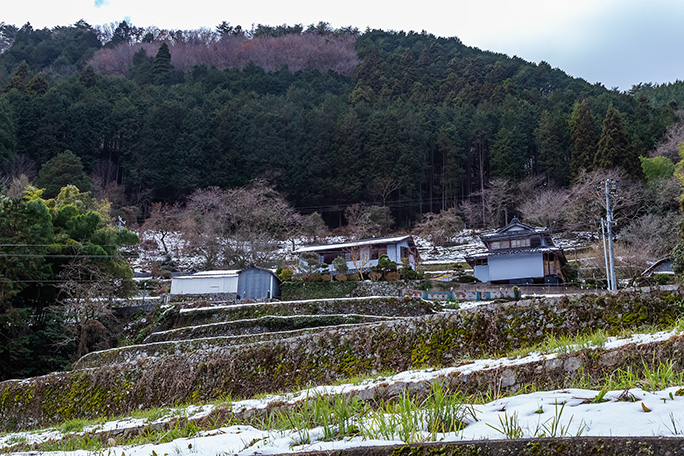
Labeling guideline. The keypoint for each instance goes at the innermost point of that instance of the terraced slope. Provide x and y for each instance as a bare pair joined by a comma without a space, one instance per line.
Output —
195,373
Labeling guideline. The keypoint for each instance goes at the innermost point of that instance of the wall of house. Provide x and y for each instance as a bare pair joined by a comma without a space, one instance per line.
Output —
481,273
204,285
516,266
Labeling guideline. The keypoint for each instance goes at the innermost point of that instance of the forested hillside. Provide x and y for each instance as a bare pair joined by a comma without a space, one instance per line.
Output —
330,117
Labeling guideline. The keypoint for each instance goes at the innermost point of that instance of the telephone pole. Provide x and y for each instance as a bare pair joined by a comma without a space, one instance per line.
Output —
605,252
612,283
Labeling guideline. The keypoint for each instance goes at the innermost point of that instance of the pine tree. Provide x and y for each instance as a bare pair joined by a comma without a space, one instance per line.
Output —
583,139
63,169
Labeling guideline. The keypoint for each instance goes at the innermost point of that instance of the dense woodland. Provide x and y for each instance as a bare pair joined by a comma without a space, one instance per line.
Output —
215,131
324,115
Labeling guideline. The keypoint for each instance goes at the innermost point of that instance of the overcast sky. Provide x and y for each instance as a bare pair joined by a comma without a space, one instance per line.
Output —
615,42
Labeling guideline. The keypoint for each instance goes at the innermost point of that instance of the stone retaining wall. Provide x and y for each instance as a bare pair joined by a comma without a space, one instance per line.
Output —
326,356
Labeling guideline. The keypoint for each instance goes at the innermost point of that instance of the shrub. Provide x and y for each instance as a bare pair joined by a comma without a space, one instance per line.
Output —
341,277
386,265
355,276
285,274
375,276
315,277
408,274
340,265
392,276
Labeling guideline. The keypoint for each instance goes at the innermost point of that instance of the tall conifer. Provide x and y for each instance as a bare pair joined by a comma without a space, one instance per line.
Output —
614,147
583,139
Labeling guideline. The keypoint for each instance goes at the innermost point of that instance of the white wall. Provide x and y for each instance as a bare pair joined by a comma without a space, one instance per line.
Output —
481,273
521,266
204,285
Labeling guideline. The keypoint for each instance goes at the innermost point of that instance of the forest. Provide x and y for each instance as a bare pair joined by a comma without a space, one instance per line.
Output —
278,132
410,121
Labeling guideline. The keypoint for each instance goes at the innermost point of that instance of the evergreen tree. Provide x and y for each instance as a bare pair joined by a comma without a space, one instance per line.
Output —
583,139
19,78
614,147
162,61
8,140
553,161
61,170
508,155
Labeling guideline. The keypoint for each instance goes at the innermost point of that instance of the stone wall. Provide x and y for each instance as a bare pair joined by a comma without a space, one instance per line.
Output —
326,356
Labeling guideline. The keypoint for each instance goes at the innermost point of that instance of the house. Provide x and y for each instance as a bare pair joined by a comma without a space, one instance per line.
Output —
363,254
248,284
519,254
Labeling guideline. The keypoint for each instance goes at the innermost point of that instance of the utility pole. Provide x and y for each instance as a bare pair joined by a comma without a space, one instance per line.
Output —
605,252
609,223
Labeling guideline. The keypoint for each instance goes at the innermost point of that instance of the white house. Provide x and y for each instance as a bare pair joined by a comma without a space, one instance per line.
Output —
519,254
363,254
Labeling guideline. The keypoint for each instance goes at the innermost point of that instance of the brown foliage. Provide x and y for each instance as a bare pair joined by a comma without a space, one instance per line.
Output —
296,52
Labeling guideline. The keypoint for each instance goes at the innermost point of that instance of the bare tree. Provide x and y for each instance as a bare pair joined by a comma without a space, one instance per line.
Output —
439,228
382,187
314,227
238,227
547,207
495,204
654,235
587,202
85,294
674,137
164,219
367,221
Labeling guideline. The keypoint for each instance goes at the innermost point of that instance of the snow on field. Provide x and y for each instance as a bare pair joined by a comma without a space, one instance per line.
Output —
569,412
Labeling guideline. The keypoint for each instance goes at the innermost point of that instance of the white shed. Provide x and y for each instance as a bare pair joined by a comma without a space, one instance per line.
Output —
206,282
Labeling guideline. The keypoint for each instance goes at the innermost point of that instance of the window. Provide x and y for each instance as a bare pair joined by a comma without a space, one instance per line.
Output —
328,257
517,243
377,252
498,245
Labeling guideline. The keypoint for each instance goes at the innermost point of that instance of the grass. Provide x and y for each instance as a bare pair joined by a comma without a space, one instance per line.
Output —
406,418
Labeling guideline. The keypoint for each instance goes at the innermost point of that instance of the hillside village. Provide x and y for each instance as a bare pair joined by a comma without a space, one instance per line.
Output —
293,240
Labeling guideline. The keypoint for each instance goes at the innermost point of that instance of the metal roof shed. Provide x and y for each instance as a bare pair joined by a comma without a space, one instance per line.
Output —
258,284
206,282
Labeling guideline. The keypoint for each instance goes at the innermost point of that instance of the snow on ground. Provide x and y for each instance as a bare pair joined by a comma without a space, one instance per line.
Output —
567,412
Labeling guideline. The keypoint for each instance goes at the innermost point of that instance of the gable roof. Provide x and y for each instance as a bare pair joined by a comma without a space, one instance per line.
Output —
514,228
352,244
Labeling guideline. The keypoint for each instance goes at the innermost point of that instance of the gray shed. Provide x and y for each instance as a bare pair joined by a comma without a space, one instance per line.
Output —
258,284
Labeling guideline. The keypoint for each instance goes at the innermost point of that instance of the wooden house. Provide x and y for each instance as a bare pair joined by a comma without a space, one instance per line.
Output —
519,254
364,254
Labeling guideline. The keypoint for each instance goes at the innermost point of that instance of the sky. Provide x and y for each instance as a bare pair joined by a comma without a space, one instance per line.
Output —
617,43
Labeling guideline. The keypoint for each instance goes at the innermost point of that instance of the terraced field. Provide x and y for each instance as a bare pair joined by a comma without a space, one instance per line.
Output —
199,355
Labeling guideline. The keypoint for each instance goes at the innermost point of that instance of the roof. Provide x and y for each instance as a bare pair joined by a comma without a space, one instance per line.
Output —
520,251
218,272
347,245
211,274
514,228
